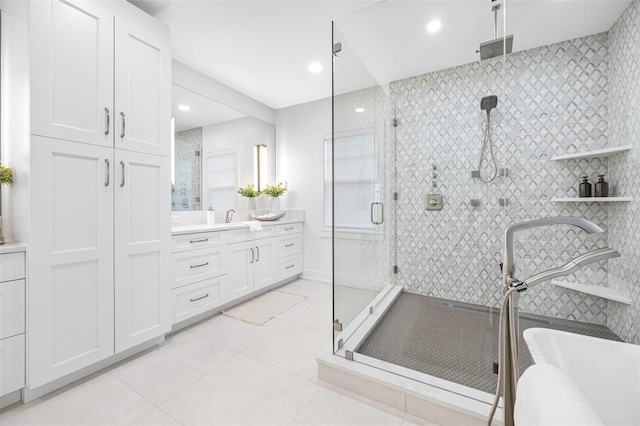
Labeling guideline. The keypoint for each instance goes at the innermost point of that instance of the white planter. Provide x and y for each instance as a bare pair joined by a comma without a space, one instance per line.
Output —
252,203
275,205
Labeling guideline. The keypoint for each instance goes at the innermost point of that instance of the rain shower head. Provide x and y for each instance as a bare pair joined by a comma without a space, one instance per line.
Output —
495,48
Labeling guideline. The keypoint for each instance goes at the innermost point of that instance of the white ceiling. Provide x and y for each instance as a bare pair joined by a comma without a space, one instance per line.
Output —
262,48
203,112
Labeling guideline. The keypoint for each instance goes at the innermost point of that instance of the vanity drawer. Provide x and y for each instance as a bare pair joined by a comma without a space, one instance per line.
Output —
241,235
197,265
12,308
288,267
198,298
12,364
12,266
286,245
197,241
292,228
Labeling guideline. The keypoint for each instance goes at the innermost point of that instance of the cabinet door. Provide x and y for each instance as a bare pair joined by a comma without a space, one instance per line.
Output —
143,87
241,258
142,245
264,274
70,288
71,62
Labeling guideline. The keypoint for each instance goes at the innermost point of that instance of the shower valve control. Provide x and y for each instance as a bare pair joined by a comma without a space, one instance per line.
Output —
434,202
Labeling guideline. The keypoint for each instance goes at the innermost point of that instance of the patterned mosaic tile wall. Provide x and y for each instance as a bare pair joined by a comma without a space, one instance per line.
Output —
624,170
186,193
551,100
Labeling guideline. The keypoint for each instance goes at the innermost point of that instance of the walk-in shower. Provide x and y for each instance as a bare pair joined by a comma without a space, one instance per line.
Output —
417,290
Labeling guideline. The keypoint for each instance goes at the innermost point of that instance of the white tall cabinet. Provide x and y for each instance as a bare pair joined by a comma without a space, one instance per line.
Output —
99,184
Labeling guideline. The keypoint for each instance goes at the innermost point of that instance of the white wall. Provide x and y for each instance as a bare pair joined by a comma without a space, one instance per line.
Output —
300,132
241,135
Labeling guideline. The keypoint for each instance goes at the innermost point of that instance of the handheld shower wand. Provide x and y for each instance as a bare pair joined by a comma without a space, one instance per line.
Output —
487,104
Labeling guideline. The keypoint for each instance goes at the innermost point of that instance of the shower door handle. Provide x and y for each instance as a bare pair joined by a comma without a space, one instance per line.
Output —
373,219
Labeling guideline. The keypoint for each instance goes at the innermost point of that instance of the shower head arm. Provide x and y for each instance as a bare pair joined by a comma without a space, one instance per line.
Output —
509,263
571,266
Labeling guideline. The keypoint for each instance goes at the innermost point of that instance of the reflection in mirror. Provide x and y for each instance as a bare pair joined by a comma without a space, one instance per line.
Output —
213,153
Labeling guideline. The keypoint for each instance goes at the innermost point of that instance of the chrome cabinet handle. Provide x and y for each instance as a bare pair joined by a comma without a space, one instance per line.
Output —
258,257
122,181
375,222
202,240
289,229
124,123
199,298
199,266
252,255
289,267
107,121
289,245
107,171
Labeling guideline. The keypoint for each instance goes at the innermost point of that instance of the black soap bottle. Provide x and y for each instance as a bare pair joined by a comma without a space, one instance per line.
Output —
585,187
602,187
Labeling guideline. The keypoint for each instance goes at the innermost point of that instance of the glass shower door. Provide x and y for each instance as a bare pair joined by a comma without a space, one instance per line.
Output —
360,171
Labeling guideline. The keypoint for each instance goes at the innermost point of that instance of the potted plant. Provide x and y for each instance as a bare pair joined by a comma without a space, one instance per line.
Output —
6,178
251,193
275,192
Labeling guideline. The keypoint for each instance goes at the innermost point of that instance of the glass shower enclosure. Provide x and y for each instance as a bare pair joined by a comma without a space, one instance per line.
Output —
435,152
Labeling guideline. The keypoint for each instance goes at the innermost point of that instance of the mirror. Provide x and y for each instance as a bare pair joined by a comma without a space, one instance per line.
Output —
213,153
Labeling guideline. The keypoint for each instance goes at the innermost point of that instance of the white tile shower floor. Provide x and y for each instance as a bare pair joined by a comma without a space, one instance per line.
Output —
219,372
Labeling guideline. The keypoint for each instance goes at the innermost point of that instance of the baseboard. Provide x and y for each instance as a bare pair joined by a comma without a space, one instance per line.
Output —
10,399
313,275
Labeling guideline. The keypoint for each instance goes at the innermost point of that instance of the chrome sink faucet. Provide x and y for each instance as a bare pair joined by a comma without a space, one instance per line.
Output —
229,215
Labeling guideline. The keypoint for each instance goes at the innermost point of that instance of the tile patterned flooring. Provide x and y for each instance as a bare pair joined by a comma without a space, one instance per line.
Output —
218,372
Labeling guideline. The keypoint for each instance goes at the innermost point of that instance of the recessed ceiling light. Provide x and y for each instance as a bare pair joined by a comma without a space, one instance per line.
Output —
434,26
359,109
315,67
184,108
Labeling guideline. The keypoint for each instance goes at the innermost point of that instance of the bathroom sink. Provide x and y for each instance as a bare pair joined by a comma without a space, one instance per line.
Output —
607,373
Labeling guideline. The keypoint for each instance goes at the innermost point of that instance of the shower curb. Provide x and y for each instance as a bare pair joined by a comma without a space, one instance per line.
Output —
401,393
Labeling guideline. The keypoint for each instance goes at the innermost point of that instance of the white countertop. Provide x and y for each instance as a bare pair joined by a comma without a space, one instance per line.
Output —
12,248
191,229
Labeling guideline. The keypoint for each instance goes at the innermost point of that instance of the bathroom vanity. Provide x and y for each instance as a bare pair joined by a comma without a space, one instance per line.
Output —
216,266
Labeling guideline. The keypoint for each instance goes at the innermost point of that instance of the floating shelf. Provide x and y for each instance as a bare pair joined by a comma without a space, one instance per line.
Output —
591,199
604,292
598,153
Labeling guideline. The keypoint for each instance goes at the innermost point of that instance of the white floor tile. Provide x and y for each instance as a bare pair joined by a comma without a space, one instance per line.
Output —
234,333
103,400
311,289
156,417
293,348
172,367
250,392
317,315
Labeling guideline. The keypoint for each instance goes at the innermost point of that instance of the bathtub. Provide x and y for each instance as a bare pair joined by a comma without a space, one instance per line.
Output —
606,372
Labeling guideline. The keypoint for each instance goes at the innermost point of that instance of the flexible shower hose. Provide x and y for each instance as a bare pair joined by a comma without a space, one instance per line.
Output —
486,141
507,298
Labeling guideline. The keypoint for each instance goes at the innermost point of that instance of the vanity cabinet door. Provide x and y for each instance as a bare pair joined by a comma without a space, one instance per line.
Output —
70,287
241,258
264,266
71,65
142,248
143,86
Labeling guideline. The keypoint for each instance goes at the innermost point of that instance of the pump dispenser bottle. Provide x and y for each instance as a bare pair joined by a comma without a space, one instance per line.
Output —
585,187
602,187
